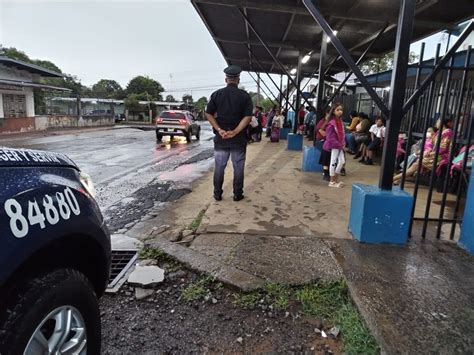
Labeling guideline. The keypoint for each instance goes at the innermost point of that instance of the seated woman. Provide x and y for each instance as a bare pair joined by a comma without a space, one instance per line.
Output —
429,152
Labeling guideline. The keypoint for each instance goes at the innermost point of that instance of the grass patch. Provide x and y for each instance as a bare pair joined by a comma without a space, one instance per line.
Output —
169,263
247,300
279,295
197,221
328,301
323,300
199,289
357,338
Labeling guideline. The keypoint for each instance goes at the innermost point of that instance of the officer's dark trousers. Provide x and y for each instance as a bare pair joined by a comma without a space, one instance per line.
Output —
221,156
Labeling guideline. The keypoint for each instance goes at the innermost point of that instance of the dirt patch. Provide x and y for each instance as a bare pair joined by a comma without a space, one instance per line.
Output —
165,322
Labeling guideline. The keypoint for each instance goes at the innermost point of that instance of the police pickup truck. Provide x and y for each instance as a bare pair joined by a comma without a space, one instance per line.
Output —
54,256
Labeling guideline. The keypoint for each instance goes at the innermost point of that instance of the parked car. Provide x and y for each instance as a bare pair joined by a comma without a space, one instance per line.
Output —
119,117
177,123
54,255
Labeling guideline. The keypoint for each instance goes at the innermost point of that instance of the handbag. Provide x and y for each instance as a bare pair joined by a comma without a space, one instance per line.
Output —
254,122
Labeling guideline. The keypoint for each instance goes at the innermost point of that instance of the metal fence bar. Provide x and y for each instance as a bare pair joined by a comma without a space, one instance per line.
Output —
464,165
410,124
437,149
453,144
432,88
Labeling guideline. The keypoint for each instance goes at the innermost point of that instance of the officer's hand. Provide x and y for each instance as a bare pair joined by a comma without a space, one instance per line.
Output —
222,133
230,134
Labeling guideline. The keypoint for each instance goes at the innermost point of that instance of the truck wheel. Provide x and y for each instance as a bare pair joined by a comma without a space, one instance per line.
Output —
56,312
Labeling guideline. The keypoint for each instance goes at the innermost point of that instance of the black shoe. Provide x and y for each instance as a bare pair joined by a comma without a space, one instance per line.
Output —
238,197
343,172
357,156
362,160
326,178
350,152
217,197
369,162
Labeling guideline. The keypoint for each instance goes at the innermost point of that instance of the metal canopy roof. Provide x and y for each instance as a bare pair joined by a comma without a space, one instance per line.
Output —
34,69
287,28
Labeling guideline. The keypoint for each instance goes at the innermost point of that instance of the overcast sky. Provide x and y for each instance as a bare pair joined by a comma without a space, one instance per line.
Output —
164,39
119,39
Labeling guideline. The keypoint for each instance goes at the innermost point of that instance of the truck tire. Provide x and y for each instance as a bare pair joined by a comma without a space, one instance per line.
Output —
32,312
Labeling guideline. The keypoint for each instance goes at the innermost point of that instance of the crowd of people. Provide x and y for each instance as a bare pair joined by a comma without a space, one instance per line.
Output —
270,122
361,138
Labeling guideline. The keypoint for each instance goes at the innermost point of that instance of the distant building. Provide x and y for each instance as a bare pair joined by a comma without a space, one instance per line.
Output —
17,103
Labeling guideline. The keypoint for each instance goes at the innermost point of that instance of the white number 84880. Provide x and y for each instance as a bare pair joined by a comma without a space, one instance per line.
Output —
19,224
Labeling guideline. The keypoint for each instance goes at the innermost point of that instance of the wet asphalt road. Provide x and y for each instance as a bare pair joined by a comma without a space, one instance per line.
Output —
127,164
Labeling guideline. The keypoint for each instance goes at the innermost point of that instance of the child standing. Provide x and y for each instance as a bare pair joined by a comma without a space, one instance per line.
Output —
335,144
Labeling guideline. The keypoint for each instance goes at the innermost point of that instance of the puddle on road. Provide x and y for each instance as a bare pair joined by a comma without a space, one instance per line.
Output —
187,173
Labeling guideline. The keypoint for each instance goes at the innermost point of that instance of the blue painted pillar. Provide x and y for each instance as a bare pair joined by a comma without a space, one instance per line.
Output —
380,216
467,228
295,141
311,160
284,133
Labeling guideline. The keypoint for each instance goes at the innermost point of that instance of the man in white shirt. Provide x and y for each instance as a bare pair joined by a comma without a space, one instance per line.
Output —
377,133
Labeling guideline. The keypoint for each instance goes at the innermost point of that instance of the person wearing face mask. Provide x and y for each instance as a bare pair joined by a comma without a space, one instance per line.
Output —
445,133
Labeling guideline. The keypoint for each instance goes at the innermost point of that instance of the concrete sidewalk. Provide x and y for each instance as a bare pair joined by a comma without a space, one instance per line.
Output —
291,228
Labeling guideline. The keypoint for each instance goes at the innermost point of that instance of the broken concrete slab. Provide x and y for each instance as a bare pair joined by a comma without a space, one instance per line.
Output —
146,276
203,263
291,260
147,262
124,242
142,293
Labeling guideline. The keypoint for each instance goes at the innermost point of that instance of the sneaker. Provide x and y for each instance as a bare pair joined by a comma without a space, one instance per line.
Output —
362,160
369,162
334,184
341,184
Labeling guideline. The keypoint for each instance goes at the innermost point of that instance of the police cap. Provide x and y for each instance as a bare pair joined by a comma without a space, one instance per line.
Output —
233,71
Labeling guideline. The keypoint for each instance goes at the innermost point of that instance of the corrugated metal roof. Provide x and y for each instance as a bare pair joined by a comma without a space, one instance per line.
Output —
287,27
35,69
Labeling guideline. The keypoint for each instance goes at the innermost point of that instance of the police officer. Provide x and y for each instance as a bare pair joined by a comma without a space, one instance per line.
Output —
229,111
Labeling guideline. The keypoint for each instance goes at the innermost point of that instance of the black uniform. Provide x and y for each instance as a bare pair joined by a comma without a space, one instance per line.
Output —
230,105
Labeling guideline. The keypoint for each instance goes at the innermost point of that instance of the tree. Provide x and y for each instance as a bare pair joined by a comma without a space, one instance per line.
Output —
132,103
14,53
383,63
47,64
256,97
188,99
145,85
170,98
266,104
201,103
107,89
